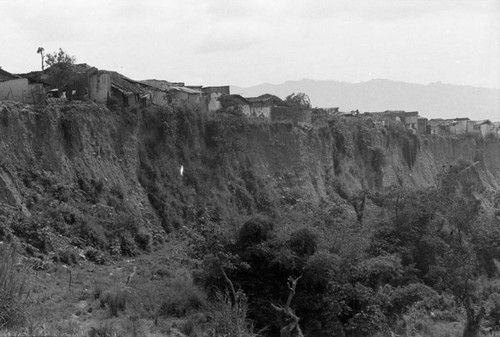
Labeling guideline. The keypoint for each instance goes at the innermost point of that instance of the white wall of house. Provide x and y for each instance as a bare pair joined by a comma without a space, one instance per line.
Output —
21,90
159,97
214,104
245,109
487,129
470,127
99,87
260,111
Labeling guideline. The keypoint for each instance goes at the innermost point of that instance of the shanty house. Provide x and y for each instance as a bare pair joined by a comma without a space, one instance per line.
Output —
261,106
423,125
438,126
165,93
459,126
16,88
127,91
408,118
185,94
213,94
99,82
485,128
241,102
159,91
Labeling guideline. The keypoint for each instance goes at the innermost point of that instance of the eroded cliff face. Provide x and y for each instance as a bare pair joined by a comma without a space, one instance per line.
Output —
82,165
308,159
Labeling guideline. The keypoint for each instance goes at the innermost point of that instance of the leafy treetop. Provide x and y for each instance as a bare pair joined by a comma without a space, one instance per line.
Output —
299,100
59,57
60,68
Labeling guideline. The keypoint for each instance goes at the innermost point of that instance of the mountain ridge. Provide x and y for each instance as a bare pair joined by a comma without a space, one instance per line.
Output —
432,100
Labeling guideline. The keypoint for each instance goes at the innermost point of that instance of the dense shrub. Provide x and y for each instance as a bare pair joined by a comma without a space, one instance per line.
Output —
225,131
303,242
67,256
181,296
13,293
228,317
115,301
254,231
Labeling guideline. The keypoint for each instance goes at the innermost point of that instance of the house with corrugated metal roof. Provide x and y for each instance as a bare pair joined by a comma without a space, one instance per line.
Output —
127,91
408,118
456,126
103,84
165,92
261,106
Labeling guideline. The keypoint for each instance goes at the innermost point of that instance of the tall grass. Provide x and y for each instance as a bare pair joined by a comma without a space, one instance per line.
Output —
180,296
229,318
115,300
12,289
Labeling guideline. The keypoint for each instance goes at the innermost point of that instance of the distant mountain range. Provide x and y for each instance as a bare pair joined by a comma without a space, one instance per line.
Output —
434,100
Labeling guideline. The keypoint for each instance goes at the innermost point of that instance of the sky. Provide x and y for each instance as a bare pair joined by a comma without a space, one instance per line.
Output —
245,43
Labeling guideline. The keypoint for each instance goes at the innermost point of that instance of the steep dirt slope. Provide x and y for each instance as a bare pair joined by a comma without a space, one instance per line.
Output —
79,168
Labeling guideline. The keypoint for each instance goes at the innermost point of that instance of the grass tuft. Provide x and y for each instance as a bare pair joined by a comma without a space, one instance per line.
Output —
229,318
115,301
13,288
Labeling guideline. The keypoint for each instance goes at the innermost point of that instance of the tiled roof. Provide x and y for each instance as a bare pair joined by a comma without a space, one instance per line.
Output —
169,86
186,90
240,98
126,85
158,84
267,98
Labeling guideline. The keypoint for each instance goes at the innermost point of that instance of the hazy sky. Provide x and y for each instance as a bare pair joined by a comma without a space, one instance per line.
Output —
255,41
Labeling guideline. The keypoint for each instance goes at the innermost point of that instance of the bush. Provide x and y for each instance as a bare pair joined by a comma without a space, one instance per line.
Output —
303,242
115,301
319,270
228,318
67,256
144,240
181,296
12,289
95,256
97,291
255,231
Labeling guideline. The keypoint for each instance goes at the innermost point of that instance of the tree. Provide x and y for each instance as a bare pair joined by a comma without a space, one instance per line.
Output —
299,100
58,57
60,69
40,51
287,320
443,233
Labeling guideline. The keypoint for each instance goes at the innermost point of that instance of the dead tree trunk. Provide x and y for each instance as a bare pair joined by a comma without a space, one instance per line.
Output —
287,320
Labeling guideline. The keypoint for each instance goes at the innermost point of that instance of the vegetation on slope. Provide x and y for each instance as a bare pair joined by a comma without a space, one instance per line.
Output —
232,199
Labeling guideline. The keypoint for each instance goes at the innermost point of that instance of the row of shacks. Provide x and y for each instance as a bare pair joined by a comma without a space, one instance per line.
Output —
101,86
421,125
90,84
